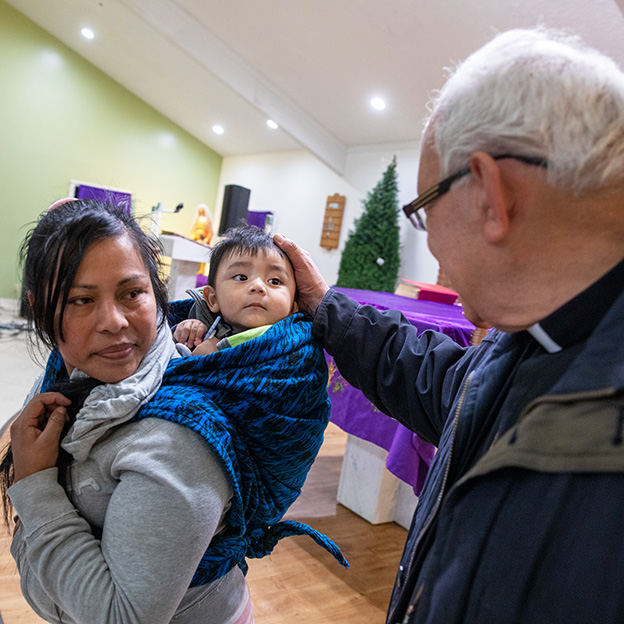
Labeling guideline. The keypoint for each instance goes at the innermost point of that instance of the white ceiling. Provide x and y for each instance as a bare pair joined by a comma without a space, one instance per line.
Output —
311,65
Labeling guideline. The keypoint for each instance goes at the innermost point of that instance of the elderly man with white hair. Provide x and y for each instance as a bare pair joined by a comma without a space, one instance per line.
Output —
521,185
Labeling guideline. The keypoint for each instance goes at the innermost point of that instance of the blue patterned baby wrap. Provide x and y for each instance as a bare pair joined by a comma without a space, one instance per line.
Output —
263,408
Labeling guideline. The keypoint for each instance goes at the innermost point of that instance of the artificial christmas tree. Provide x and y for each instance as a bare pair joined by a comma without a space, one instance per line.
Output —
370,260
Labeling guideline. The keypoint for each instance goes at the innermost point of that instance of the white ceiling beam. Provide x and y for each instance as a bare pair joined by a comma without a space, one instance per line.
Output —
215,56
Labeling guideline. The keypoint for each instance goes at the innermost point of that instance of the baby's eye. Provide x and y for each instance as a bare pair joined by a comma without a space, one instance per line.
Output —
240,277
276,281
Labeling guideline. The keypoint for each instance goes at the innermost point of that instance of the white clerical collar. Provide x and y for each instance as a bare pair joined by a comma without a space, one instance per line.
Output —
537,331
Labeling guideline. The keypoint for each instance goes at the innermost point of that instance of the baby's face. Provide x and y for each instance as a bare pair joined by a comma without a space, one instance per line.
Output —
251,291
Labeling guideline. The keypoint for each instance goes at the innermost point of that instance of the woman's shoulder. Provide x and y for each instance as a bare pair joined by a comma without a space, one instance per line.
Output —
146,432
155,445
153,442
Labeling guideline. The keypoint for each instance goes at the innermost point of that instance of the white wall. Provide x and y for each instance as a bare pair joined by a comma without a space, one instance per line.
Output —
295,186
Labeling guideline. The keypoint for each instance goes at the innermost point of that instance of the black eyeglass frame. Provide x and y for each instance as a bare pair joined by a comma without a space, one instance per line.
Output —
411,210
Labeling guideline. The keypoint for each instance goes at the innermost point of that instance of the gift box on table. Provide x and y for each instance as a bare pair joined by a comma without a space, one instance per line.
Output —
427,292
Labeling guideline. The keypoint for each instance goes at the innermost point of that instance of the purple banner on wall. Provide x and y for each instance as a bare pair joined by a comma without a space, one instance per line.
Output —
119,198
257,217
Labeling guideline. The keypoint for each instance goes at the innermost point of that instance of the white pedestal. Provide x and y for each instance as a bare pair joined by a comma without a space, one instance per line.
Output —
186,256
405,505
369,489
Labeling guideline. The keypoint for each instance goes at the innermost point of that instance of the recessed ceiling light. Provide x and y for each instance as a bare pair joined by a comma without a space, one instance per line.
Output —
377,103
218,129
87,33
272,124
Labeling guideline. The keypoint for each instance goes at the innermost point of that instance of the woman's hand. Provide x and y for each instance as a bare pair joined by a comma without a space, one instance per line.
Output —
311,287
190,332
36,434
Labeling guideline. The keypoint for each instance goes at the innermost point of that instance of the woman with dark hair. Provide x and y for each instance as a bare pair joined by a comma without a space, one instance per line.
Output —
142,480
115,532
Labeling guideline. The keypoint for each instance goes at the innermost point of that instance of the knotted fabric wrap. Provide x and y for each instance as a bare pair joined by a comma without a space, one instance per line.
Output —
263,408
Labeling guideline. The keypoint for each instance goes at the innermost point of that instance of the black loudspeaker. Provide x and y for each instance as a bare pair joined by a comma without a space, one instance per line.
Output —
235,205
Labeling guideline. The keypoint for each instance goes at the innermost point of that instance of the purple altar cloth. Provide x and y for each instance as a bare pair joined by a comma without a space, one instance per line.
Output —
409,457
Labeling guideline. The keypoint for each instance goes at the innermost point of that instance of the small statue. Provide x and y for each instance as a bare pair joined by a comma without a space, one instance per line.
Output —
202,228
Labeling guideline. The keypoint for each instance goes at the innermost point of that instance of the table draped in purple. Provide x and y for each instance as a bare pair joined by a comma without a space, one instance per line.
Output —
409,457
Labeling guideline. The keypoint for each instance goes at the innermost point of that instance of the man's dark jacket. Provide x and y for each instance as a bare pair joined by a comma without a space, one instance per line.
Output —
531,529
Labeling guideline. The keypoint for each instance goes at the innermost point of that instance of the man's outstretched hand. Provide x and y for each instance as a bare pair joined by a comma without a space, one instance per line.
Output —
311,286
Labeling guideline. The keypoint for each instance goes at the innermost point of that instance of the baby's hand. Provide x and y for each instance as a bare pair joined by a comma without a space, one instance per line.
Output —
190,332
206,347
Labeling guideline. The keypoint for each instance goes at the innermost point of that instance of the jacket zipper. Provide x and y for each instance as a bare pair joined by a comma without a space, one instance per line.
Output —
540,400
447,468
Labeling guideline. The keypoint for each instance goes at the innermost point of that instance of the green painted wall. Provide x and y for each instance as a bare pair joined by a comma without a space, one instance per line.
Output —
62,119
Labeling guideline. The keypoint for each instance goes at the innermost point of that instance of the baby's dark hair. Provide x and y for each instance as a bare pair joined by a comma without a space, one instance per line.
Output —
245,239
53,250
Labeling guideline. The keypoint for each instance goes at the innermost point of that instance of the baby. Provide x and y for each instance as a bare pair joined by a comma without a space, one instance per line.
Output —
251,286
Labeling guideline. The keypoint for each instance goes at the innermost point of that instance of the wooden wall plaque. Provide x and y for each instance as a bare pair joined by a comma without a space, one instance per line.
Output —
332,222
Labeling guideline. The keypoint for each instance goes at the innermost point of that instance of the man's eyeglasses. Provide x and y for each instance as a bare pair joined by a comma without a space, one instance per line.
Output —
415,211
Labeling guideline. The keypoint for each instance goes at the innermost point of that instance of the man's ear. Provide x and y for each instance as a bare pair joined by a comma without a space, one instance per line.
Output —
494,197
210,296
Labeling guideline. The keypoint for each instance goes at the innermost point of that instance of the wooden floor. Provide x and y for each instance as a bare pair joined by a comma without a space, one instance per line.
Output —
299,582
